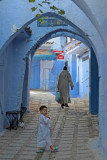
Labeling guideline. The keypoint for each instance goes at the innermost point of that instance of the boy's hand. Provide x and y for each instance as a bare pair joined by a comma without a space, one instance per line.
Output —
47,116
50,128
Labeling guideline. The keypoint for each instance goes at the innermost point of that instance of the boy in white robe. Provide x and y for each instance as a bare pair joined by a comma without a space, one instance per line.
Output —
43,136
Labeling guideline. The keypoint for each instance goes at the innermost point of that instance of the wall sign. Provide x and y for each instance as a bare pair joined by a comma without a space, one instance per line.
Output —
51,21
59,54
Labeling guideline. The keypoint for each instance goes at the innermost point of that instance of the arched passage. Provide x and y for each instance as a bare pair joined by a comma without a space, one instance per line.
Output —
18,52
94,80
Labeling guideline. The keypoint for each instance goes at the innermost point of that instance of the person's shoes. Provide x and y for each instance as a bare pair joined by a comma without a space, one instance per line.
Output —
40,151
55,149
66,105
62,106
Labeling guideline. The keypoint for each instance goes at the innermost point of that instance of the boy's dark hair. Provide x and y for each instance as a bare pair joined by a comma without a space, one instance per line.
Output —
42,107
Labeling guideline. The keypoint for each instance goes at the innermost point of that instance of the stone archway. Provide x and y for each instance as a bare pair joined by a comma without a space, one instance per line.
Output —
91,9
63,32
19,49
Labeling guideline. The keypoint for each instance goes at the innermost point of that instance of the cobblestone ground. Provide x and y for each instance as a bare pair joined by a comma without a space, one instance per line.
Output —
72,128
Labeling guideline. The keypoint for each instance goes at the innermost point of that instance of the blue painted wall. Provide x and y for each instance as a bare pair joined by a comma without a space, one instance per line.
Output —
81,84
15,73
72,68
12,16
57,67
94,85
59,64
35,74
83,76
26,83
15,76
73,71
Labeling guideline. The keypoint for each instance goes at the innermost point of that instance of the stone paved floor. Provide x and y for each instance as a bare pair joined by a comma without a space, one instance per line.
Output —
72,128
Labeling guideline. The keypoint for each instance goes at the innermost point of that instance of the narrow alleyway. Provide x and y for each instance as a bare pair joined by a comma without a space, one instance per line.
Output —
72,129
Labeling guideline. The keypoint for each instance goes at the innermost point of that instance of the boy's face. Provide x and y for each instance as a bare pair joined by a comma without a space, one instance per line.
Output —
44,111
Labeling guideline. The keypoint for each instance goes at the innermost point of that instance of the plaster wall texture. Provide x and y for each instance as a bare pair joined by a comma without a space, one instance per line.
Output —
83,78
90,20
57,44
35,75
97,13
49,71
70,11
25,81
71,59
1,99
15,64
79,70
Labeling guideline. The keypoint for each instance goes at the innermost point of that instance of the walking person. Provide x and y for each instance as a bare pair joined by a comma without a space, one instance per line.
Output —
64,80
43,136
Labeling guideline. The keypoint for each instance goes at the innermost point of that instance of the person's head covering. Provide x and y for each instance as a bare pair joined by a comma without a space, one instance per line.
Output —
65,68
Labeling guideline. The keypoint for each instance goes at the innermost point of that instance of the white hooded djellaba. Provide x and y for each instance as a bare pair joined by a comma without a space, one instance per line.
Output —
64,80
43,136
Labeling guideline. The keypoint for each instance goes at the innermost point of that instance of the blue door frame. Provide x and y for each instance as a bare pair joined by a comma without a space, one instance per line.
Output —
93,84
